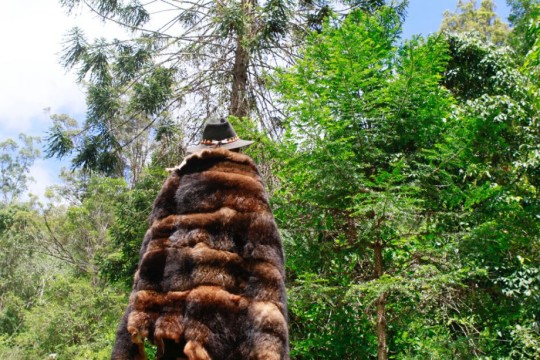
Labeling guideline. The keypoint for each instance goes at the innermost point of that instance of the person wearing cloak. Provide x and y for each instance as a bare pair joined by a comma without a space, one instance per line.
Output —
210,279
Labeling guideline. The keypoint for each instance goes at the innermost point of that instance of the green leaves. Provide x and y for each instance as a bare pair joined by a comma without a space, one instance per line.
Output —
131,59
118,261
59,143
16,158
104,105
277,15
134,14
114,121
75,48
360,112
477,68
95,62
74,319
481,21
99,153
151,95
411,156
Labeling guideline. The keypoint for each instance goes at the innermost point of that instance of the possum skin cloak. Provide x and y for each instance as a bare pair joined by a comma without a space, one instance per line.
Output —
210,277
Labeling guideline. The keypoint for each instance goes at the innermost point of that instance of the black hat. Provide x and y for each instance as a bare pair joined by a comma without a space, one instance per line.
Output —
219,133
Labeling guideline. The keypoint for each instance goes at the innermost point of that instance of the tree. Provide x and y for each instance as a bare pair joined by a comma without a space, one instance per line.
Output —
494,166
73,318
17,269
51,298
482,20
77,233
361,111
408,193
118,260
523,18
15,163
485,187
204,58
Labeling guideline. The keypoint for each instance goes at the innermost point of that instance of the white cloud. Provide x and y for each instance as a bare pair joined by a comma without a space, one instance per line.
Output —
31,78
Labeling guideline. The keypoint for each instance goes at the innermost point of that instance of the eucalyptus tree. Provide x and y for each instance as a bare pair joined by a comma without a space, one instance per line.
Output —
16,160
183,62
482,19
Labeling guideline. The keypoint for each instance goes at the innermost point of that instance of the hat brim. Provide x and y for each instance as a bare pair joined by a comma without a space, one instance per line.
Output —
234,145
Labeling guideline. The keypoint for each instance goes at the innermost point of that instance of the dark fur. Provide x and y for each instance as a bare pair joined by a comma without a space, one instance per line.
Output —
210,280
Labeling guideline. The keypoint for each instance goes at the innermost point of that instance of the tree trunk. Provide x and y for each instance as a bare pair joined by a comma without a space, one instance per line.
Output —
382,347
239,101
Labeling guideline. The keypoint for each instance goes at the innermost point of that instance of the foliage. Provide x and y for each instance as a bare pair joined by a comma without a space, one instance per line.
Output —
183,62
483,21
17,269
405,182
15,163
527,35
361,114
43,308
114,141
73,319
492,194
523,18
51,301
118,261
380,155
77,233
478,68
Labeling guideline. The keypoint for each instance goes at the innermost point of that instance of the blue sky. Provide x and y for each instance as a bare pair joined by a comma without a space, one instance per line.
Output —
31,79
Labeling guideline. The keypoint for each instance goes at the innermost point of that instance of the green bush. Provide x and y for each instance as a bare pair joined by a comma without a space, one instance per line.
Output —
74,319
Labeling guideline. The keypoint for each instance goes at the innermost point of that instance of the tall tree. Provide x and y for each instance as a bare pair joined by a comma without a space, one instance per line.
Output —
186,61
203,56
409,189
360,113
482,20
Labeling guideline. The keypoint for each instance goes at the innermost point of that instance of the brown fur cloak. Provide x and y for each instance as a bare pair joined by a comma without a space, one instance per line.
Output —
210,279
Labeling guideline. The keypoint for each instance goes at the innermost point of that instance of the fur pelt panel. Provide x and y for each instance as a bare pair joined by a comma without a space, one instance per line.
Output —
210,278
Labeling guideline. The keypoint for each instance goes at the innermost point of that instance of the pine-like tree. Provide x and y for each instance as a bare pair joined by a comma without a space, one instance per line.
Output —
187,61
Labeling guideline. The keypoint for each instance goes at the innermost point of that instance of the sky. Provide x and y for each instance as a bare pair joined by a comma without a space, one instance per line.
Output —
32,79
